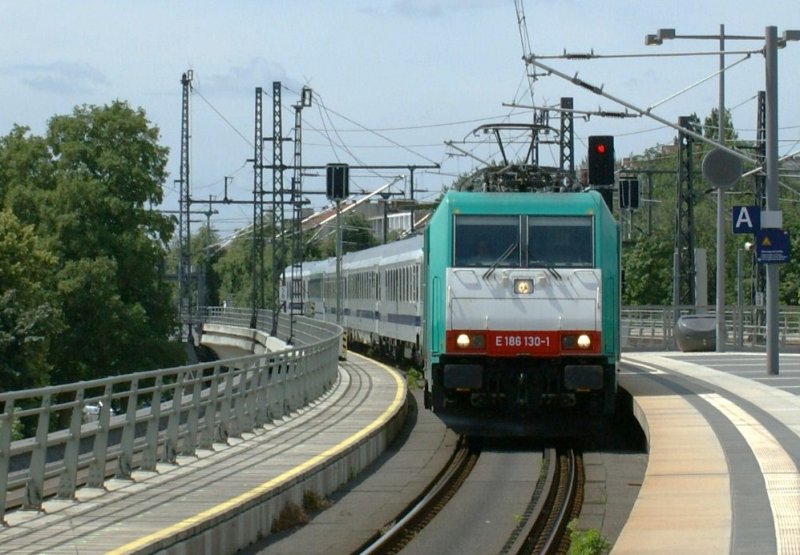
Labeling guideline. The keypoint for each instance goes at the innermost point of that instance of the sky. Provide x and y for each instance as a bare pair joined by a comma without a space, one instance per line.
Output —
393,80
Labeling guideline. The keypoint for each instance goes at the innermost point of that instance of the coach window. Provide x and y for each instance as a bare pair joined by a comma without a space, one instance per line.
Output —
564,242
315,288
484,241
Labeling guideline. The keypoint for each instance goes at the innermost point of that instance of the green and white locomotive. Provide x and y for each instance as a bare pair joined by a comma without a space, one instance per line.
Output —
521,312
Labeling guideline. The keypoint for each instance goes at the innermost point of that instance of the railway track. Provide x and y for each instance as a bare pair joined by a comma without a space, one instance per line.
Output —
557,500
420,514
542,528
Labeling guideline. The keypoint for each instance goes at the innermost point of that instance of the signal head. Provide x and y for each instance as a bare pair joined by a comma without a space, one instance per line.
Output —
601,160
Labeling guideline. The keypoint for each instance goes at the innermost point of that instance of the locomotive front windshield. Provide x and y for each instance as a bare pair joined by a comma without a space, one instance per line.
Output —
561,242
485,241
523,242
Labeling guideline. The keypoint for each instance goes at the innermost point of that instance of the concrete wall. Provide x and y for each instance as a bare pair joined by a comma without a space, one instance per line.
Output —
232,341
250,522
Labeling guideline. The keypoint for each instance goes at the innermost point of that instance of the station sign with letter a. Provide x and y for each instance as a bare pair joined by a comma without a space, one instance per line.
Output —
746,219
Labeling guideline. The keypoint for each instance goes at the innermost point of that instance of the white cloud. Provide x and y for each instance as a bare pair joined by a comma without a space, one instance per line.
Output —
59,77
244,78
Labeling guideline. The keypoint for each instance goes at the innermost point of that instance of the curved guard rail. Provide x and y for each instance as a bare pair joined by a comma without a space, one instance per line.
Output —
82,433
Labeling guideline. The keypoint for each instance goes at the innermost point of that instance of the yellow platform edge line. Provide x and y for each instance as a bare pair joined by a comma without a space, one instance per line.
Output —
223,507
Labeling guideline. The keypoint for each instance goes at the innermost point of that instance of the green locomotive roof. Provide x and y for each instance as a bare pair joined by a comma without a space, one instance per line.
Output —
523,203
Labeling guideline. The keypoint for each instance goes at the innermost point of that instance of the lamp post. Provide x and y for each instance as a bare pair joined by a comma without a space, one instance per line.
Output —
749,248
739,300
771,44
669,34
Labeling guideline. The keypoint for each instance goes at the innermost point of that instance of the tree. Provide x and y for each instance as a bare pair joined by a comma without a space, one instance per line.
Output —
29,315
26,174
205,253
790,272
647,279
658,239
108,165
86,188
711,126
235,270
356,235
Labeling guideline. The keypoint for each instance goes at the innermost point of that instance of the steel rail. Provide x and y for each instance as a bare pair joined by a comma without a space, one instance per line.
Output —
432,501
556,501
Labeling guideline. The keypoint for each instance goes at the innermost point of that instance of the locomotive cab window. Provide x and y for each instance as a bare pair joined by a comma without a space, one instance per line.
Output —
485,241
564,242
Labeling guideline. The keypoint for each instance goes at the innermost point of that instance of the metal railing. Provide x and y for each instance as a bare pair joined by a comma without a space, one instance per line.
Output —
653,327
54,439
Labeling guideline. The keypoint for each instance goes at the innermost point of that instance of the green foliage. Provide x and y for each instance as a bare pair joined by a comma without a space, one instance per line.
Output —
356,236
790,272
647,279
26,174
85,190
647,253
711,126
413,377
586,542
205,253
313,502
17,431
235,270
290,516
29,312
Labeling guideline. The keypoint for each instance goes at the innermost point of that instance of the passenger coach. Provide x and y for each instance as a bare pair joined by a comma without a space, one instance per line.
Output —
381,290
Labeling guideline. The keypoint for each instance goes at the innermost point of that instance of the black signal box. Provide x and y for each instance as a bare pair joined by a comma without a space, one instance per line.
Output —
629,193
337,181
601,160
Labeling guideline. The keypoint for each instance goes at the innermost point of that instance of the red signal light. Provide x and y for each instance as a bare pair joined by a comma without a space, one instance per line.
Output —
601,160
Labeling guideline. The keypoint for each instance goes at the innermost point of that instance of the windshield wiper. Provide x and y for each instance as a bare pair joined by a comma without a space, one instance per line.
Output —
553,272
503,256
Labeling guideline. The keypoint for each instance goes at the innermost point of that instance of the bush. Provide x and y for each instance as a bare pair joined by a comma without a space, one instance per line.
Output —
413,378
586,542
313,502
291,515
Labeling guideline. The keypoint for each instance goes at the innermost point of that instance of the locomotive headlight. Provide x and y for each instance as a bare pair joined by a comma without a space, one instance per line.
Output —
474,341
523,286
572,342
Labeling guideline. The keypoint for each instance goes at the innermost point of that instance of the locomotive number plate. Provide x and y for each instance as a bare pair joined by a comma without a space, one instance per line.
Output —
523,342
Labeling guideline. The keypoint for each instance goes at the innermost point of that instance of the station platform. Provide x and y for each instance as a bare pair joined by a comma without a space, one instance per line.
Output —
724,452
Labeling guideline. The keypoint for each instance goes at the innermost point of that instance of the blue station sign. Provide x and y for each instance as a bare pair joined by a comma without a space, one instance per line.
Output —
746,219
772,246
